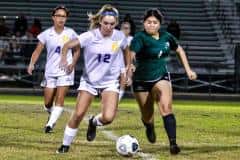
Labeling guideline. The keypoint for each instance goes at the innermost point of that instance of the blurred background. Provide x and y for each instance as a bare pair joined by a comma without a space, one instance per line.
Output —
208,30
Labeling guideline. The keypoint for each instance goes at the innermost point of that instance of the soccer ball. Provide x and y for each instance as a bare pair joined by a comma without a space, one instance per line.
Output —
127,145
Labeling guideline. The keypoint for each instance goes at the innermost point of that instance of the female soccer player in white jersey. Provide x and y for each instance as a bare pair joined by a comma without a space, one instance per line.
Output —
126,28
103,46
56,81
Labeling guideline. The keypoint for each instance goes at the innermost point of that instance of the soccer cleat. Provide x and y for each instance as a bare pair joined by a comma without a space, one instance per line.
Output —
63,149
174,149
150,132
91,132
48,129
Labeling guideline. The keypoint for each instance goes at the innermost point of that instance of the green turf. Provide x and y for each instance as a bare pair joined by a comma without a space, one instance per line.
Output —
206,130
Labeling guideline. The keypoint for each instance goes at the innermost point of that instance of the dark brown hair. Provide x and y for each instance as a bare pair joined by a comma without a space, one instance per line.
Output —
153,12
60,7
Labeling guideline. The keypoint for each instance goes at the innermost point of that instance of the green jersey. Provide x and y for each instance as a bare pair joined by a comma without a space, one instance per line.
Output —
152,55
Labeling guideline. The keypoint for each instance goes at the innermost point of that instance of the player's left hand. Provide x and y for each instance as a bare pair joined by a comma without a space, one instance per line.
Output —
128,81
133,68
129,74
192,75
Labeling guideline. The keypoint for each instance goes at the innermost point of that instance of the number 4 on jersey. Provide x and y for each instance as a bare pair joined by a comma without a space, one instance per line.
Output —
58,50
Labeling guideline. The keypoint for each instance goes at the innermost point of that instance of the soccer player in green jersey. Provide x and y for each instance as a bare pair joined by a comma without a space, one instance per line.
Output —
151,80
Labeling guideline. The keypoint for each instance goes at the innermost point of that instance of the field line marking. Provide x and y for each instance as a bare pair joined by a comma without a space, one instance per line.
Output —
110,135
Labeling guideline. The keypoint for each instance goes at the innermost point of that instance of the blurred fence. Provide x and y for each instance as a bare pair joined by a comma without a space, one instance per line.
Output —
210,36
13,73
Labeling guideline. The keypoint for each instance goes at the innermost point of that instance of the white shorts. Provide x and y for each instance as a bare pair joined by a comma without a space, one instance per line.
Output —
85,86
54,82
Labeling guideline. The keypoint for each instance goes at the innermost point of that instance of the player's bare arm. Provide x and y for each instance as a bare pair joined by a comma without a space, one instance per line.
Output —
69,45
76,55
34,58
127,58
190,73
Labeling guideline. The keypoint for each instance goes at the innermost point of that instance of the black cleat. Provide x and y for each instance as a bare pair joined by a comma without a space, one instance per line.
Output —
48,129
63,149
174,149
91,132
150,132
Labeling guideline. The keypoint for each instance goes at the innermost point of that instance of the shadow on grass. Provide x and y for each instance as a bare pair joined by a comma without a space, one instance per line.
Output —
209,149
24,128
23,144
187,150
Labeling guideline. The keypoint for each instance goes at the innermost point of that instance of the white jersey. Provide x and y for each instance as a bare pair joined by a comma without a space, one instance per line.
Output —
54,43
129,39
101,57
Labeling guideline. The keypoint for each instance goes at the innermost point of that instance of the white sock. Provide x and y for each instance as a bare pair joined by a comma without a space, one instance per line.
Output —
96,120
49,110
121,93
56,113
69,135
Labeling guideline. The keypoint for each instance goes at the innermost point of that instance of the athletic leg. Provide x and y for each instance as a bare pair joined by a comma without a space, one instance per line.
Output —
146,105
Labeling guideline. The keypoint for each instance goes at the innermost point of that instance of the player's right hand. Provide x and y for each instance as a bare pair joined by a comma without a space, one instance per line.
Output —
70,68
192,75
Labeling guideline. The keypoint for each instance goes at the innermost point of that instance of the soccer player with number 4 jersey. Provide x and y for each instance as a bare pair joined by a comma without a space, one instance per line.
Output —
103,46
56,80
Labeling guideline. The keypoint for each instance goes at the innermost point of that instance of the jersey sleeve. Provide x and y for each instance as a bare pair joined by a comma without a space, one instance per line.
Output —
123,39
136,43
85,38
124,43
42,37
129,39
74,35
173,42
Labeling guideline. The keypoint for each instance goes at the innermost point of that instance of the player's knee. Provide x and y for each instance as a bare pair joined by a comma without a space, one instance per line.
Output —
107,119
147,119
166,109
77,117
48,104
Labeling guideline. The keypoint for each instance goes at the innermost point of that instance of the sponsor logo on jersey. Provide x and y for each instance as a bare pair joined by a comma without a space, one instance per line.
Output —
167,45
65,38
160,54
115,46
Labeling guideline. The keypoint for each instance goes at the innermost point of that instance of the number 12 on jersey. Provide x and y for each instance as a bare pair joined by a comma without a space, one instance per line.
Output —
104,58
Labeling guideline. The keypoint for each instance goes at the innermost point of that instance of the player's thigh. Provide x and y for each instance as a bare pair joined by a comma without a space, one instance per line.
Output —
109,103
62,84
49,84
49,94
162,92
145,102
84,100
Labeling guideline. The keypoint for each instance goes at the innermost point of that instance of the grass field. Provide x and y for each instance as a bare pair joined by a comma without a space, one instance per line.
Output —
206,130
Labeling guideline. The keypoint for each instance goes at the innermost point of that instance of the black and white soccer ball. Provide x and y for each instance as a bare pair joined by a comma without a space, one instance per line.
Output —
127,145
